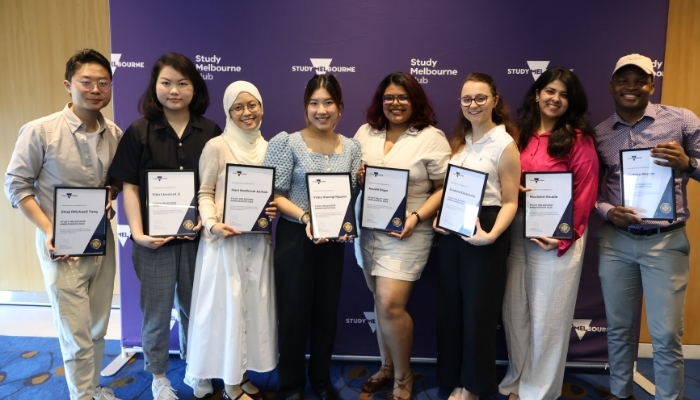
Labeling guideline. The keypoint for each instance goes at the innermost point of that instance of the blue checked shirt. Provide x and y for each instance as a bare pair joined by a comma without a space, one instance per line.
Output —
660,124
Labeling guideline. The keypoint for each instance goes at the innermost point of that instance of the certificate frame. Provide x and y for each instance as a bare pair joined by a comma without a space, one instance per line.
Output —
456,171
348,226
262,223
665,207
563,229
96,245
189,220
398,219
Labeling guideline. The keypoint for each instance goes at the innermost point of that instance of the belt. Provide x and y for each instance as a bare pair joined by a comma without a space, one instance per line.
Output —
653,231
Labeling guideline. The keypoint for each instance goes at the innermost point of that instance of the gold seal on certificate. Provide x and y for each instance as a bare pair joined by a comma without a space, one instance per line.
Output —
249,190
646,187
549,205
330,209
79,221
171,203
384,196
462,195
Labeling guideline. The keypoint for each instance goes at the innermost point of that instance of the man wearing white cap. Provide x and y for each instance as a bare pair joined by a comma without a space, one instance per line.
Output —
639,254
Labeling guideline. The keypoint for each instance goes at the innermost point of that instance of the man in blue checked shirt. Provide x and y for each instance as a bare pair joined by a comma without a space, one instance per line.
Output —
639,255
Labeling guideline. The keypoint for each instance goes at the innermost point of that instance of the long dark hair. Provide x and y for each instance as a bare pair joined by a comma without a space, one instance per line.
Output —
499,115
423,114
149,105
575,118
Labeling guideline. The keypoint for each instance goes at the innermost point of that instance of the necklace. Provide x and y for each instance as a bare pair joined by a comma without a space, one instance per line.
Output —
320,144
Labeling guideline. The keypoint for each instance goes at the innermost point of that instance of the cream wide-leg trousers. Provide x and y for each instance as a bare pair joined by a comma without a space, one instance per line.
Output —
538,309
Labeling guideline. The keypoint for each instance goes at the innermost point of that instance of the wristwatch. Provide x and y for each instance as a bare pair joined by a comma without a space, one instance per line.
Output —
692,165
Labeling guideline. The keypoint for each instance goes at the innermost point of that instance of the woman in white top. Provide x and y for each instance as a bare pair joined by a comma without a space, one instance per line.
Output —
233,320
472,275
400,134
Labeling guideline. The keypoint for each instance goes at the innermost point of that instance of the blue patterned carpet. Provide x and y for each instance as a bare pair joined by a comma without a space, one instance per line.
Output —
32,368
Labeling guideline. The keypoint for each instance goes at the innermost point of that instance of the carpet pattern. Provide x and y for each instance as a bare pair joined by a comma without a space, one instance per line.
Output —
32,368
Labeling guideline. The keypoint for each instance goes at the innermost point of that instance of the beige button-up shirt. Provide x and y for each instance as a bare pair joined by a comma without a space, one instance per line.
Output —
48,154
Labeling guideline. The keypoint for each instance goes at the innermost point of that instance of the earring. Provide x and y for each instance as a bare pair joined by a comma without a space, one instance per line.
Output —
340,114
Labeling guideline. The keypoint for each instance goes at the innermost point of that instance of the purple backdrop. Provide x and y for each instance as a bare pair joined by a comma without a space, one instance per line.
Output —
279,45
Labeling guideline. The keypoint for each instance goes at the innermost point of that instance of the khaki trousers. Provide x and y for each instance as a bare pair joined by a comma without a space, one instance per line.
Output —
80,290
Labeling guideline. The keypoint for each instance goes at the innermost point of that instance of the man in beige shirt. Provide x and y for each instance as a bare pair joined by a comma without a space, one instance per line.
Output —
73,147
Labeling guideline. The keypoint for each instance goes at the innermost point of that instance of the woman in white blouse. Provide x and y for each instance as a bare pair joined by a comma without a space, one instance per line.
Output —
400,134
233,320
472,276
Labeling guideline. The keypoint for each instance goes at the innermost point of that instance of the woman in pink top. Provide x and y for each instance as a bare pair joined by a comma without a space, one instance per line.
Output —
543,273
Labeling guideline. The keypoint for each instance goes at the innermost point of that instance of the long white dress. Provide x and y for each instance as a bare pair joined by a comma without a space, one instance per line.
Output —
233,318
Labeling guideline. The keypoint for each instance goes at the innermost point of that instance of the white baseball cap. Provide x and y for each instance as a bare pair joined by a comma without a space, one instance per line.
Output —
638,60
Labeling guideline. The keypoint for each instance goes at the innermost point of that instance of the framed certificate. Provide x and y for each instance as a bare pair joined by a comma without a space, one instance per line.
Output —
79,221
171,203
330,206
549,206
462,195
248,192
384,197
646,187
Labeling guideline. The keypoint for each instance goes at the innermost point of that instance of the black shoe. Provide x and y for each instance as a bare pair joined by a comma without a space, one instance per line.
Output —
295,396
326,393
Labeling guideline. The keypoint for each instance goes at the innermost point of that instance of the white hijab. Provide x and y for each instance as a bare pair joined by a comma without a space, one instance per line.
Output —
248,147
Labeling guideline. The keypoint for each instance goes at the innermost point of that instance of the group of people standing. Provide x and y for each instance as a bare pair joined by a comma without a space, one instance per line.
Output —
246,307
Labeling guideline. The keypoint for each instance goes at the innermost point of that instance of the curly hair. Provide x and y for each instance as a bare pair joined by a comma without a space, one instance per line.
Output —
423,114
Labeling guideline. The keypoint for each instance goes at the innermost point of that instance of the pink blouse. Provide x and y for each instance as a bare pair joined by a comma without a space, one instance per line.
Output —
582,161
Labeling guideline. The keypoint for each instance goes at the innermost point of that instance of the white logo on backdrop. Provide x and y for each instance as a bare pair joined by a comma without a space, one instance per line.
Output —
658,72
123,233
173,318
421,68
321,66
581,326
537,68
207,64
369,319
117,62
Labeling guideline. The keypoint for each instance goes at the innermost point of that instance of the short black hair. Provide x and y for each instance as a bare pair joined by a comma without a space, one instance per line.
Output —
86,56
150,107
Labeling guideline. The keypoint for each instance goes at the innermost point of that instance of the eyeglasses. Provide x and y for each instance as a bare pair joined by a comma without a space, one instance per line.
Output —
480,100
389,98
238,109
102,85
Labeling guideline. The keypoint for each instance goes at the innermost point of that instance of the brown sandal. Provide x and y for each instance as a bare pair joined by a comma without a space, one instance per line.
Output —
372,385
401,383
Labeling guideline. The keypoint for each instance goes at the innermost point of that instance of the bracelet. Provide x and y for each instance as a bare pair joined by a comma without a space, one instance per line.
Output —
301,218
417,216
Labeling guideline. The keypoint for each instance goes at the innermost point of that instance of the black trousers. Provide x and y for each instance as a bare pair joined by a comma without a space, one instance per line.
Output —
308,277
471,284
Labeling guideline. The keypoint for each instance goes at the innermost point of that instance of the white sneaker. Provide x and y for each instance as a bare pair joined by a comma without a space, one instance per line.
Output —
202,387
162,390
103,393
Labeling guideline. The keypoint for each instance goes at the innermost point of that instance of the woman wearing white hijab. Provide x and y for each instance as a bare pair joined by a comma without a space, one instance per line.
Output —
233,321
